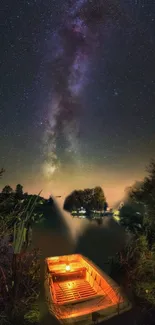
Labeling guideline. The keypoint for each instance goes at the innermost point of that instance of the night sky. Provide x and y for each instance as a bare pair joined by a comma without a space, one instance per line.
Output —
77,94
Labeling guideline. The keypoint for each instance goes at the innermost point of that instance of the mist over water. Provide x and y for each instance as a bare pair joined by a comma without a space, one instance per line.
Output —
97,242
79,226
61,234
76,226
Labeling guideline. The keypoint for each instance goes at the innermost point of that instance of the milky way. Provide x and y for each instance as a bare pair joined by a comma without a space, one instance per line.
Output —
69,65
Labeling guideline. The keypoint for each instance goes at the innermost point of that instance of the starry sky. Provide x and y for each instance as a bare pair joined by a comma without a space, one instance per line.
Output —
77,94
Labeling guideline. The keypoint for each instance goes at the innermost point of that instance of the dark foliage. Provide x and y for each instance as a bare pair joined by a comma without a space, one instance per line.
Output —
138,212
89,199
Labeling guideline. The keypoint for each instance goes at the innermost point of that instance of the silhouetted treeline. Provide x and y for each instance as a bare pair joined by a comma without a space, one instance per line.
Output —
89,199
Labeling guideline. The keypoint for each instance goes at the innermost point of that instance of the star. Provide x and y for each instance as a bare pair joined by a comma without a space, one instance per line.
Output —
77,83
116,92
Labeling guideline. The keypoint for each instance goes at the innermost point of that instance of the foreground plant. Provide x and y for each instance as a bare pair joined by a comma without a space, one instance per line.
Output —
20,291
19,270
136,263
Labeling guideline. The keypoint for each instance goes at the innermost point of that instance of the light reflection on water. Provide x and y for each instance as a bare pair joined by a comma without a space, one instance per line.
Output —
63,234
78,224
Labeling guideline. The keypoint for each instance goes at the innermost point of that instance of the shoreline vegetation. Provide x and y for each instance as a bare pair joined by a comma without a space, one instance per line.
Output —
133,268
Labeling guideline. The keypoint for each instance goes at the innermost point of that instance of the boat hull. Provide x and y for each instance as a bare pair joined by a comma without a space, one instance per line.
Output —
88,296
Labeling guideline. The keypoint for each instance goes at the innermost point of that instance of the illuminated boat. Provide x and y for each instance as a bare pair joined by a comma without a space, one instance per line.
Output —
78,292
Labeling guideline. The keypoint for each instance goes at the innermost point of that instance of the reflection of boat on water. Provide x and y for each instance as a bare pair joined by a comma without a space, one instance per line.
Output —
78,292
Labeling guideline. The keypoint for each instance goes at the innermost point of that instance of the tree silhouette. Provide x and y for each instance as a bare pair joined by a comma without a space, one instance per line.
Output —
105,206
98,198
139,206
144,195
90,199
7,190
19,192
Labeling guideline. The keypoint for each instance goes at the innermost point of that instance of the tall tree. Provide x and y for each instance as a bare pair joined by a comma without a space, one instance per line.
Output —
144,195
98,198
131,211
19,192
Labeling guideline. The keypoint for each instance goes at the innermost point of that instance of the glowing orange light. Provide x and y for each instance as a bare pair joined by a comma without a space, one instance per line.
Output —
70,285
80,280
68,268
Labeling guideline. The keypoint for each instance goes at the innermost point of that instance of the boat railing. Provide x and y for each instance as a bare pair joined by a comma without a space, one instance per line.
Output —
50,280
